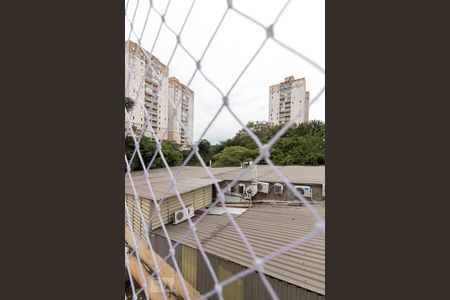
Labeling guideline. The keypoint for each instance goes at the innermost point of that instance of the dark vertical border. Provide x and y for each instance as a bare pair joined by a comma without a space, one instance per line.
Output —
62,113
386,155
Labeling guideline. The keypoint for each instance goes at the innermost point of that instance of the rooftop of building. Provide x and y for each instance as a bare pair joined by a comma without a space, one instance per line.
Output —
162,185
289,79
190,178
176,81
295,174
267,229
144,54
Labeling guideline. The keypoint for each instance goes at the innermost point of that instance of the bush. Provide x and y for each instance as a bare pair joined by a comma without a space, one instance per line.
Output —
233,156
147,147
299,150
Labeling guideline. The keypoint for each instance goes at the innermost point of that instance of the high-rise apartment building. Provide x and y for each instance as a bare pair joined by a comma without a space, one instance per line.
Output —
288,99
147,87
181,122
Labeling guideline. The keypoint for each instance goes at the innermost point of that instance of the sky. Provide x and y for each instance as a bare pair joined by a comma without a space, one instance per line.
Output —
301,27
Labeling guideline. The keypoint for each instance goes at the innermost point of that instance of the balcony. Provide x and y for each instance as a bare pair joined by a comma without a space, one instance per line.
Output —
151,98
151,106
150,92
154,81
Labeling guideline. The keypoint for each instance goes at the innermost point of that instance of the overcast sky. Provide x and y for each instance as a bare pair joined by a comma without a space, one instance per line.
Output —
302,27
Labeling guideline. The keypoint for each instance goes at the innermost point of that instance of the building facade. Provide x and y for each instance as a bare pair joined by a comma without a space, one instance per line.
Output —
181,121
147,86
287,100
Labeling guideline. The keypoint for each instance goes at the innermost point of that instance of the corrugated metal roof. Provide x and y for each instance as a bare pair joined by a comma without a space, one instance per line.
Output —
296,174
162,174
267,228
160,185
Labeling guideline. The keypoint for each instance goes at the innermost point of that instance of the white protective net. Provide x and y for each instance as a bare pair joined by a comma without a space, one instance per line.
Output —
153,275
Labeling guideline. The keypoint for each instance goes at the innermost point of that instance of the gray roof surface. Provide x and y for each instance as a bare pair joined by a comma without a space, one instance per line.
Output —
267,228
160,185
296,174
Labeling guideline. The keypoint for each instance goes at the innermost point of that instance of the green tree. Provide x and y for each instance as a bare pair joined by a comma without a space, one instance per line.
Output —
314,128
263,130
147,148
234,156
129,103
217,148
172,154
299,150
204,149
129,148
302,144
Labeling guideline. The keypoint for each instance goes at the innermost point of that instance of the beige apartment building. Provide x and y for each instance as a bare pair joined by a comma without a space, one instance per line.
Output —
147,87
181,122
287,99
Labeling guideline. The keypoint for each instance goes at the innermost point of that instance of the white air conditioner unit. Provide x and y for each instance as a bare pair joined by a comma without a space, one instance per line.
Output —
278,188
304,190
251,189
263,187
241,188
180,215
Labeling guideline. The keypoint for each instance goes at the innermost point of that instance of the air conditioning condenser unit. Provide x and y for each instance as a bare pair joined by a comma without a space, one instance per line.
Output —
180,215
304,190
263,187
278,188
